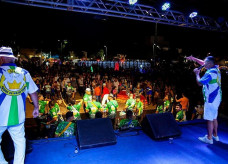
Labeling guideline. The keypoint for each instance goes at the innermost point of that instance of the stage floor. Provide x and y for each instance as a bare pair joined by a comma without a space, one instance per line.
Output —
186,149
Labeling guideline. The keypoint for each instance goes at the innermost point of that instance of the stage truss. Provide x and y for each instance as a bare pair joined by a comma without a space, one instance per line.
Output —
122,9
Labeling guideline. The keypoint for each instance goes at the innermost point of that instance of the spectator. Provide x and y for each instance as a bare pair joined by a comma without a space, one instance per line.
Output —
81,85
184,101
149,93
160,107
116,84
48,90
74,84
198,111
38,85
109,86
58,88
166,104
180,113
114,92
69,92
97,93
105,94
63,86
156,96
54,86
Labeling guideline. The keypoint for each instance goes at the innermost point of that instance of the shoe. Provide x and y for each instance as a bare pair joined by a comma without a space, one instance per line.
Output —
206,140
215,138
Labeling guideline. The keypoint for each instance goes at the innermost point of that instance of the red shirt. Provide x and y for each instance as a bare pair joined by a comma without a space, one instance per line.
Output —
105,91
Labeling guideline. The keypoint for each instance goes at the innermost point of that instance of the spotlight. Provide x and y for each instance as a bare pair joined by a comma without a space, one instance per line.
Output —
166,6
132,2
193,14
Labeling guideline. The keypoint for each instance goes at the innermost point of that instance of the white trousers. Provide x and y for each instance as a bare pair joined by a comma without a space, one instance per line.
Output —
105,98
17,134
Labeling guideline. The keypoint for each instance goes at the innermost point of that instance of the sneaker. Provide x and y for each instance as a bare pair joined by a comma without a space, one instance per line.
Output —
206,140
215,138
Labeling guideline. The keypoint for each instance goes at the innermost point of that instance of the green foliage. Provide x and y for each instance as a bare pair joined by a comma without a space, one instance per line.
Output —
101,54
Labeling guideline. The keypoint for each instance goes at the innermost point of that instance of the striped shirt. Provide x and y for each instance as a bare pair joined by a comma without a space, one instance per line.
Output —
15,84
211,85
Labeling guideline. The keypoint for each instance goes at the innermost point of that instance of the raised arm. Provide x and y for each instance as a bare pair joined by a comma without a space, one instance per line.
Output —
199,61
176,99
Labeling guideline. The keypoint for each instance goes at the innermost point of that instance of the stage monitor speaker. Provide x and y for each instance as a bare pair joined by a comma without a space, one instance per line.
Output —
160,126
95,133
8,146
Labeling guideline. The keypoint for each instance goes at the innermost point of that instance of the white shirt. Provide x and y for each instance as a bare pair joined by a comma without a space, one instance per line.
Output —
15,84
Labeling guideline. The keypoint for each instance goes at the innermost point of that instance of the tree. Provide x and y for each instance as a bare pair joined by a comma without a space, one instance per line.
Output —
101,54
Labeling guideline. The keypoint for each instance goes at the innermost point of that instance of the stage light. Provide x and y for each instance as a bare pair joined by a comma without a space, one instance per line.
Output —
132,2
166,6
193,14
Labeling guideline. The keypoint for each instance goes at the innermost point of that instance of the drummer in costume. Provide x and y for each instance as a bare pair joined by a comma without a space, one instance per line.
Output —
130,104
112,107
75,108
42,104
86,99
93,107
139,108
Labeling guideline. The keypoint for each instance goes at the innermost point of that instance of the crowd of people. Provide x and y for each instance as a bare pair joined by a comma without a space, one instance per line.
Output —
98,90
113,93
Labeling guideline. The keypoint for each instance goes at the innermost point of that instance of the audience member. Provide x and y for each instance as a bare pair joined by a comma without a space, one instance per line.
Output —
180,113
184,101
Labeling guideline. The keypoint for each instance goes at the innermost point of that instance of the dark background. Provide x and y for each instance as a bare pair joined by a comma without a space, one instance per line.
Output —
31,27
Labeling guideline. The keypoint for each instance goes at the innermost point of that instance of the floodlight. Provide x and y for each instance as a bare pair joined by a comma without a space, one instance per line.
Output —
166,6
193,14
132,2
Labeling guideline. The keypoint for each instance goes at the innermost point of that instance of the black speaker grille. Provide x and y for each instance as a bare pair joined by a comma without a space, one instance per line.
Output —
95,132
161,125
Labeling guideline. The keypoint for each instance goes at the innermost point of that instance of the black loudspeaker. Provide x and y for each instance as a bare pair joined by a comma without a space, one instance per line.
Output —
160,126
95,133
8,146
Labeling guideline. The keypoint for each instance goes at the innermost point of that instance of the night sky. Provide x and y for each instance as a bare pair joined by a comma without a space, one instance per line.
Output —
31,27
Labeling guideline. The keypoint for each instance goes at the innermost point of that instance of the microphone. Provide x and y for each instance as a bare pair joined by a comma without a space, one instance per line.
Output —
200,67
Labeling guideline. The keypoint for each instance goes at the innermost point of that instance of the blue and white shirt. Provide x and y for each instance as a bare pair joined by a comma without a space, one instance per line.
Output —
212,85
15,84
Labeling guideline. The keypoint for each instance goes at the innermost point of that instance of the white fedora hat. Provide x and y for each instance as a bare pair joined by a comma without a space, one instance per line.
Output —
7,52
